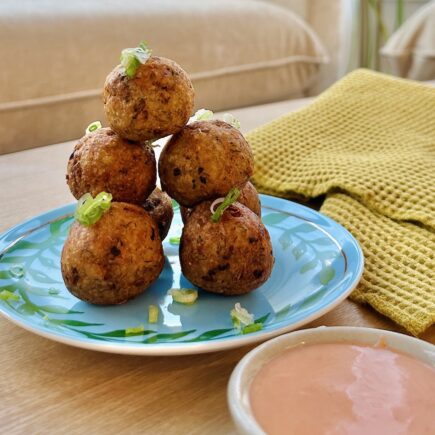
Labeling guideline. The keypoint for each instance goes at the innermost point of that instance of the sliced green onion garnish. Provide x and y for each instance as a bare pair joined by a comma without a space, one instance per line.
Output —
96,125
241,317
153,314
184,295
203,115
6,295
135,330
232,120
174,240
151,144
231,197
17,271
253,327
53,291
89,210
132,58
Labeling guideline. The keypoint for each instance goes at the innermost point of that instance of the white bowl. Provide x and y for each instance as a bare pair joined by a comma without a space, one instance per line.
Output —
247,368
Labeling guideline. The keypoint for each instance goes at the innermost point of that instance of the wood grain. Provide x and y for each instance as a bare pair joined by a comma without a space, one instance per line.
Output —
51,388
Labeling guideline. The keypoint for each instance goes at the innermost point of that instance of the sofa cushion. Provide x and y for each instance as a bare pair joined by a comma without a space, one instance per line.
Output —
56,56
410,51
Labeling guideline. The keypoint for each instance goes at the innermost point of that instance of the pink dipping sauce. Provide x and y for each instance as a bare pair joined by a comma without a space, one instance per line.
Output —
340,388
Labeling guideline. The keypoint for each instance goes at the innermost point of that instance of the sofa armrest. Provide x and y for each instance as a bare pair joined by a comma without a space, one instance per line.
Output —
410,51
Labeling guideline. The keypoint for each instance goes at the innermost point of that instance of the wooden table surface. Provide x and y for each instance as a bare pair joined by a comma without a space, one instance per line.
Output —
50,388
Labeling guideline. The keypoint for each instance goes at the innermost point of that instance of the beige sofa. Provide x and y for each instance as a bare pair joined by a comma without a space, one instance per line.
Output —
410,51
238,53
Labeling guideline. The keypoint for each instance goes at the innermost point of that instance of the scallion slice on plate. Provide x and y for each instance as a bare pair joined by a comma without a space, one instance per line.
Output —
153,314
185,296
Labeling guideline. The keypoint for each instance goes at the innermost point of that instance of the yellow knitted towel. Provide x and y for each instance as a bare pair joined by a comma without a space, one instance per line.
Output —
368,143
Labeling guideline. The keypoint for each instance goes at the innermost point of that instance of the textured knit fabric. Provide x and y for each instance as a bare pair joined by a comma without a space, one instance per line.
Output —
368,143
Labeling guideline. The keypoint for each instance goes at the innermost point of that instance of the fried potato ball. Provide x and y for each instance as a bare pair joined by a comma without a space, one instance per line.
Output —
231,257
204,161
115,259
156,102
159,207
248,197
103,161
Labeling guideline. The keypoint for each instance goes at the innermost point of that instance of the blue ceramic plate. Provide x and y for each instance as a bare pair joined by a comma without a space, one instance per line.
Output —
317,264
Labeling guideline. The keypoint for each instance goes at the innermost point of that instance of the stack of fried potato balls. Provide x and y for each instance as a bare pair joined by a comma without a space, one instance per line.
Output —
119,255
202,162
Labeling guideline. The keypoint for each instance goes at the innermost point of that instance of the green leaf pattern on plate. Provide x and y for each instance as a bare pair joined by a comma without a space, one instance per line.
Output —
37,259
290,238
24,255
274,218
175,205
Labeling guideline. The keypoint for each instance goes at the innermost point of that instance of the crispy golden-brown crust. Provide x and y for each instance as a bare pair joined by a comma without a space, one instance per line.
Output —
115,259
203,161
185,213
248,197
156,102
159,207
103,161
231,257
